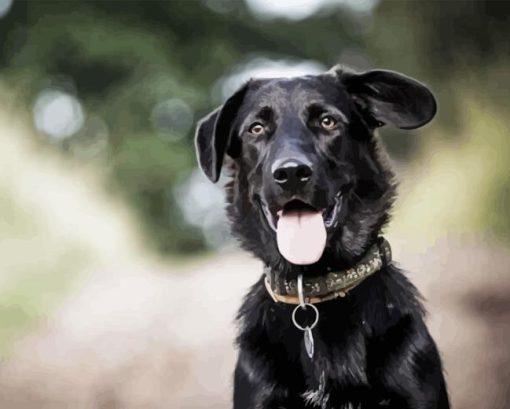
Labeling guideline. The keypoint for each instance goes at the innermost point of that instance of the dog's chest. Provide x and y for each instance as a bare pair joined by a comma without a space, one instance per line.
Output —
338,365
340,354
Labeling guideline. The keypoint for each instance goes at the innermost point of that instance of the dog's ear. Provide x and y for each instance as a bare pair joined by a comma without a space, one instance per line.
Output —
213,134
388,97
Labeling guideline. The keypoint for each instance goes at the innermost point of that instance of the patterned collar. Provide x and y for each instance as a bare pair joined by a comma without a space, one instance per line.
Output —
333,284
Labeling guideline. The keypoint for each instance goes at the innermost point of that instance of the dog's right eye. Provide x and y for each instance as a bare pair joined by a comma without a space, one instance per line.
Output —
257,129
328,123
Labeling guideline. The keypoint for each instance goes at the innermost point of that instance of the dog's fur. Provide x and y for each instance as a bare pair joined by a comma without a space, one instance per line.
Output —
372,348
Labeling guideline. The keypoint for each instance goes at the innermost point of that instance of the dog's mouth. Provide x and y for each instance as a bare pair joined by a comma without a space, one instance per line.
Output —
301,229
330,214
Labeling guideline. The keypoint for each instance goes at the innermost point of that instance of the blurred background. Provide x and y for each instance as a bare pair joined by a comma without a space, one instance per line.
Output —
118,279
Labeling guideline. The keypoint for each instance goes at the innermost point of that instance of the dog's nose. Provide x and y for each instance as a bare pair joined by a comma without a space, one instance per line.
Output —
292,174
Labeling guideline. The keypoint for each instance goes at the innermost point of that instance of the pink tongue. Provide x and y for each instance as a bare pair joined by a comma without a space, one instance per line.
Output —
301,236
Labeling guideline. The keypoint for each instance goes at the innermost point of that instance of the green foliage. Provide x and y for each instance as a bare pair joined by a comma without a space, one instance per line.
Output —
122,59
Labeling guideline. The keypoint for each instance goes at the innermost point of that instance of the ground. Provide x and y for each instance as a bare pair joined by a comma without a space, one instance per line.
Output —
159,336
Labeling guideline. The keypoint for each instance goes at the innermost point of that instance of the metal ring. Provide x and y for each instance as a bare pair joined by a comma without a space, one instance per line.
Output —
314,309
300,291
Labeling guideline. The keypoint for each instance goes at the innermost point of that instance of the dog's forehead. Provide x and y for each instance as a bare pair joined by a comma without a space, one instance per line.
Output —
295,93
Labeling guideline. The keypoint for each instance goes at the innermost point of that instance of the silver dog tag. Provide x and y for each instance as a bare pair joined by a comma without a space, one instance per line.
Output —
309,345
307,331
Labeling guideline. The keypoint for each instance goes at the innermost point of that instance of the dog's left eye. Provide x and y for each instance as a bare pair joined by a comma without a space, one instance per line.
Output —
257,129
328,123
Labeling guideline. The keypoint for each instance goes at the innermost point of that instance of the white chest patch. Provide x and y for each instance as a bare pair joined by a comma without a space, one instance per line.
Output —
317,397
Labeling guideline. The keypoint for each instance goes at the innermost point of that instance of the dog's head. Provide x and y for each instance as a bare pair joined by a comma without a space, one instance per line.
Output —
310,182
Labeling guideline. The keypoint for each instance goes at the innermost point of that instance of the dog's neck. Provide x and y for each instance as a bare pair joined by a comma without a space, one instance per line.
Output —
332,260
325,279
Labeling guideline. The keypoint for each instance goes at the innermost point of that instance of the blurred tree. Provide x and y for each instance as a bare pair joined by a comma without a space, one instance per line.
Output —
124,60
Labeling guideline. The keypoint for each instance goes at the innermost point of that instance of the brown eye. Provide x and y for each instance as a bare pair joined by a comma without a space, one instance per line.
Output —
328,123
257,129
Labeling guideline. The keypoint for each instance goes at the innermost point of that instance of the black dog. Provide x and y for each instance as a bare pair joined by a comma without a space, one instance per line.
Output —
310,191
